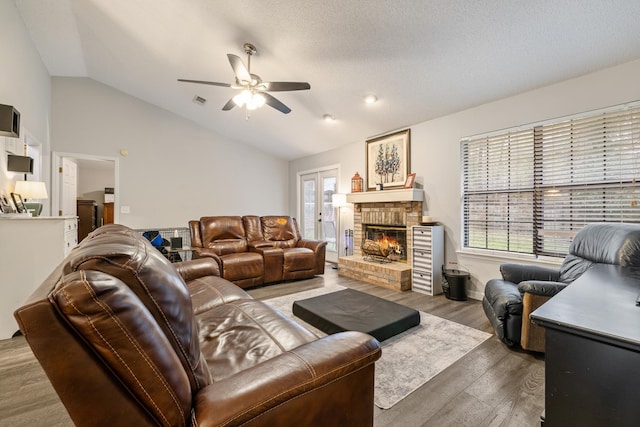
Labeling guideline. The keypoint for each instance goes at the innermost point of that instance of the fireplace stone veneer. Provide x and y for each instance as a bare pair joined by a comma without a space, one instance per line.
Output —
387,207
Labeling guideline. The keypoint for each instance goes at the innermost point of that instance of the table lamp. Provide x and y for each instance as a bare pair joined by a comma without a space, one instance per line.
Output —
29,190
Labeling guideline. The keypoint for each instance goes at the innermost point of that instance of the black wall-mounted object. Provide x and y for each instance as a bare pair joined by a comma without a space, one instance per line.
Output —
22,164
9,121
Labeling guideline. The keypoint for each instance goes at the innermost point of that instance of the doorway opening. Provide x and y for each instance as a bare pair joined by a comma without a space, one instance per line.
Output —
84,177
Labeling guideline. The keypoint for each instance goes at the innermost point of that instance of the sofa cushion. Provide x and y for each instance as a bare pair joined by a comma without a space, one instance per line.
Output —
109,316
602,243
154,280
223,234
208,292
252,228
280,230
243,265
243,333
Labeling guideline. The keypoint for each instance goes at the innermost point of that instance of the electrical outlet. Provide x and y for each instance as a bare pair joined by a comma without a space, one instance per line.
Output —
125,209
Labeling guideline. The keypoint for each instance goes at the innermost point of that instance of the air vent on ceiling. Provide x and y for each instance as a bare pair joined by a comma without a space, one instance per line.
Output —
199,100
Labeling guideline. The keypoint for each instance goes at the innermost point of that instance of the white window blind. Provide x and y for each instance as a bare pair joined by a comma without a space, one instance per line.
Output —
530,190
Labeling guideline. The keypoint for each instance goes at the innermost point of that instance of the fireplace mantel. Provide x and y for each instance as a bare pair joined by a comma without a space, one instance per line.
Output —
402,195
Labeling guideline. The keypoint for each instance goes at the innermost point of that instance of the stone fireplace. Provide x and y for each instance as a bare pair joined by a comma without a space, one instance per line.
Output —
381,211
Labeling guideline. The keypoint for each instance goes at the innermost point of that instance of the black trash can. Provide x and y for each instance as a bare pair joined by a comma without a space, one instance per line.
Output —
454,284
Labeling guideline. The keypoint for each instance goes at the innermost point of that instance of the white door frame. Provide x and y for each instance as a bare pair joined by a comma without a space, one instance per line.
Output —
56,156
318,171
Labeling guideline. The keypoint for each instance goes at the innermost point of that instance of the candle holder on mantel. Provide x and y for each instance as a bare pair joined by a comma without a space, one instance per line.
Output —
356,183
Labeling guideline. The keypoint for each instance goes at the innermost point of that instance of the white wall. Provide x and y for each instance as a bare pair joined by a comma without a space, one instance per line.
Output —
435,150
25,84
93,180
175,170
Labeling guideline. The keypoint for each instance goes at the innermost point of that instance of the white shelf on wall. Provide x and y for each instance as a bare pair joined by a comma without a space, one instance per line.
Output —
401,195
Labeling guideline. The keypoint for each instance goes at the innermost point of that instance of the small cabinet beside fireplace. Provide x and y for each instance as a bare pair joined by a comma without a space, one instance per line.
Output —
427,258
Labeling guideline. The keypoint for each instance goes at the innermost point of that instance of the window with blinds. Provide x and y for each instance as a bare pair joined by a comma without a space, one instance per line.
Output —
531,189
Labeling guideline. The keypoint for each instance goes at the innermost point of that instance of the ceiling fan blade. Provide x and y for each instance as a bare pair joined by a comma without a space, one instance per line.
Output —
202,82
241,72
284,86
229,105
275,103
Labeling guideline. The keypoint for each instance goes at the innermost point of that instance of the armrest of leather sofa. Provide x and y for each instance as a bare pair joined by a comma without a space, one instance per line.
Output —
517,273
206,252
319,248
541,287
314,245
273,259
196,268
283,388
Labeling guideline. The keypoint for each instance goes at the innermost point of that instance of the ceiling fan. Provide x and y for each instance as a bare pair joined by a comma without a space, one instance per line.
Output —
253,91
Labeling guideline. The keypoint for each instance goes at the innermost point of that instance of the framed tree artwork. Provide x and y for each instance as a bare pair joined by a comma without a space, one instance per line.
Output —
388,160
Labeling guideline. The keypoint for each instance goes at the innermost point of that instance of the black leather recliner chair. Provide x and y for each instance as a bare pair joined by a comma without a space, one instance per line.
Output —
523,288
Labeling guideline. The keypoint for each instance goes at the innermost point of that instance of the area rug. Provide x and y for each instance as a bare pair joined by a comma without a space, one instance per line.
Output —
409,359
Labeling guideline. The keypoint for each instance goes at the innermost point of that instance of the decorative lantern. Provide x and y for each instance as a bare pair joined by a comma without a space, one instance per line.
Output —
356,183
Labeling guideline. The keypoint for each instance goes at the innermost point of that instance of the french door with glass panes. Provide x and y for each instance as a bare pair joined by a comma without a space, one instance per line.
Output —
317,214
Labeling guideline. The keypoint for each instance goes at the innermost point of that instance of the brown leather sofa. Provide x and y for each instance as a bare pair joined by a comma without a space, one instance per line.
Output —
129,339
252,250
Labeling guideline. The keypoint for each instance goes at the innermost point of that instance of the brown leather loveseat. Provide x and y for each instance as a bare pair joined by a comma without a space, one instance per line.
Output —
129,339
252,250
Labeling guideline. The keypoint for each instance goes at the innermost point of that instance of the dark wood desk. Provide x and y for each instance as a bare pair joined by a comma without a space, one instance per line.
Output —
592,372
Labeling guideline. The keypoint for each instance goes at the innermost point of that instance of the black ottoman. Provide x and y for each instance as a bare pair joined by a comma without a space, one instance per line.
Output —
350,310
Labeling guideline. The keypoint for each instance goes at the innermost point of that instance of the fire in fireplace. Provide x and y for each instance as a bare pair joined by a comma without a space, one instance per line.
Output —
384,242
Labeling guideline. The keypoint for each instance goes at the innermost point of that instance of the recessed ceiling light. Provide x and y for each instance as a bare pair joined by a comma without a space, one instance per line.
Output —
371,99
329,118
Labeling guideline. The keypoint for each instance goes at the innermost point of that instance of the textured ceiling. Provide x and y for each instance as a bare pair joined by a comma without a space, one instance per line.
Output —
422,58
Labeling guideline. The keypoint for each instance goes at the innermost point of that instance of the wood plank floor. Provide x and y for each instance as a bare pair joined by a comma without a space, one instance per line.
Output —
491,386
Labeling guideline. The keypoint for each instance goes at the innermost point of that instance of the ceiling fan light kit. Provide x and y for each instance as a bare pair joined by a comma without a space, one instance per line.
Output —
254,92
249,99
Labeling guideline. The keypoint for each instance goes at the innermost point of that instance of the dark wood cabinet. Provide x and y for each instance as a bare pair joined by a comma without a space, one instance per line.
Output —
593,350
87,211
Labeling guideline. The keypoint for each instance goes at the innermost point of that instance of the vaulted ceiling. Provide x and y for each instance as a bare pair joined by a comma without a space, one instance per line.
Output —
422,58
